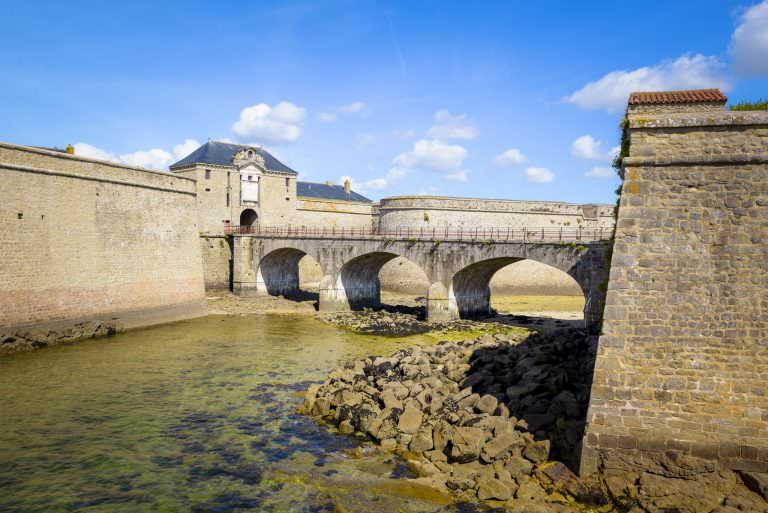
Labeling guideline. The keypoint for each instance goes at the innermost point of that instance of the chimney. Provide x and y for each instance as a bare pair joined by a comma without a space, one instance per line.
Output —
329,182
70,149
347,185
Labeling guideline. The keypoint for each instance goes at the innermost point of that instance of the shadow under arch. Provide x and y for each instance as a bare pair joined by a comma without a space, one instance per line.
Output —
359,277
278,274
471,288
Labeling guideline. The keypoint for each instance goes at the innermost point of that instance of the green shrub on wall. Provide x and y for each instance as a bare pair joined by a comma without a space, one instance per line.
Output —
757,105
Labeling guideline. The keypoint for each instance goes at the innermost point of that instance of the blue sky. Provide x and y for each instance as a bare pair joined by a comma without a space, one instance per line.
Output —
494,99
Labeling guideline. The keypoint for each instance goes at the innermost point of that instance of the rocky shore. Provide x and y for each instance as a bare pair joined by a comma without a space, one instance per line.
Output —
499,420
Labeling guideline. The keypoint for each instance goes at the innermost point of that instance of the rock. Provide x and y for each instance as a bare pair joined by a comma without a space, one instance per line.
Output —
755,481
410,419
441,436
459,484
309,398
537,422
562,479
436,456
537,452
422,440
422,468
469,401
346,428
518,466
390,400
385,424
500,445
466,443
493,489
322,407
529,489
486,404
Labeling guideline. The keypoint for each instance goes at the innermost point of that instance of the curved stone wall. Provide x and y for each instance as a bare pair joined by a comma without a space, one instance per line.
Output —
427,212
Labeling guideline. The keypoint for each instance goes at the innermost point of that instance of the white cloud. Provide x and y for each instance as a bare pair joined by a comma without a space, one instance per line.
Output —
352,108
453,127
749,42
393,176
458,176
601,172
510,158
686,72
539,175
182,150
92,152
433,155
280,124
363,140
154,159
404,134
587,147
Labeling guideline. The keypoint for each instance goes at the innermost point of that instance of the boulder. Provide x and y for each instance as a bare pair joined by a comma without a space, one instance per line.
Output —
562,479
493,489
537,452
486,404
756,481
466,443
500,445
422,440
410,419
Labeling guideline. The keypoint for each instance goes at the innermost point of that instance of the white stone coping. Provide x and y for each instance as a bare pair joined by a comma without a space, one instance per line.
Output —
693,119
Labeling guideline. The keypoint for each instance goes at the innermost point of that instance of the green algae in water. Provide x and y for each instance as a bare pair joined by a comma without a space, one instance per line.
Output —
193,416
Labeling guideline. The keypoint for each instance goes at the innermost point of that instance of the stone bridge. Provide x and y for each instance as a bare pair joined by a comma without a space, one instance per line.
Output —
459,271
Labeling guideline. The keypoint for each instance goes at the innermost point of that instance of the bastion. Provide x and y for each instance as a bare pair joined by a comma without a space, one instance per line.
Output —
679,383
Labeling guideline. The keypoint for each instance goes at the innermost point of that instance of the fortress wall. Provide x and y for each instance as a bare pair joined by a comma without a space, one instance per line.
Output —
217,261
85,239
679,379
429,212
331,214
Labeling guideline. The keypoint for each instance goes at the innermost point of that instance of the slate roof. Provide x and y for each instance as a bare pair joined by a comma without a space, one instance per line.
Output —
220,153
692,96
324,191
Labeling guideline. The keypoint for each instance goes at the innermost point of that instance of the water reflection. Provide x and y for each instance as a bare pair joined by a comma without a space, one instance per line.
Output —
195,416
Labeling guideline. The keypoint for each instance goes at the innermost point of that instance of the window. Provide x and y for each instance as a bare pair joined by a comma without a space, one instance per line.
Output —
207,174
250,154
250,178
287,184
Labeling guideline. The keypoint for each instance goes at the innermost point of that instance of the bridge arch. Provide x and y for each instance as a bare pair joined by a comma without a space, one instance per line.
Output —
359,278
278,272
470,286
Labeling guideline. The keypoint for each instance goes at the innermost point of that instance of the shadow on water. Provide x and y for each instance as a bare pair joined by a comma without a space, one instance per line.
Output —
546,381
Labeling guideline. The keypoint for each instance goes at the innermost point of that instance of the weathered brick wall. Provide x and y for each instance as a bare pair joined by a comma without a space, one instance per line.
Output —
84,238
682,360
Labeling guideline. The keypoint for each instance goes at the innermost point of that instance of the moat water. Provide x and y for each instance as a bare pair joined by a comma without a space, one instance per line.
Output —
194,416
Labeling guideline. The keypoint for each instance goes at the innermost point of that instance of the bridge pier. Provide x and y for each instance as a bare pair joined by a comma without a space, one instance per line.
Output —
333,297
244,281
441,303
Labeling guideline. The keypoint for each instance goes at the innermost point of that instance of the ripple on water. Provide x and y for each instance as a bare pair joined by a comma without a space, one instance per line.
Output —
194,416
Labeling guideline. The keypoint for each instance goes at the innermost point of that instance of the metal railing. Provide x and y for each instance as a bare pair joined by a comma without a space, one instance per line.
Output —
549,234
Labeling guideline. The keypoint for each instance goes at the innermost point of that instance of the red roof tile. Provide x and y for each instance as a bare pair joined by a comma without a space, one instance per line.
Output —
693,96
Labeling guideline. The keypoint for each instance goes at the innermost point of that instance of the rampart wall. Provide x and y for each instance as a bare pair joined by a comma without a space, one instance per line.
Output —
679,383
92,247
429,211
